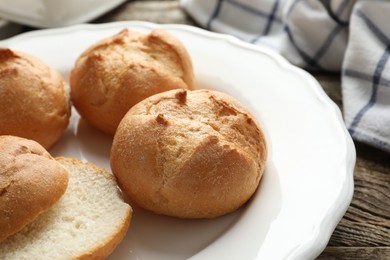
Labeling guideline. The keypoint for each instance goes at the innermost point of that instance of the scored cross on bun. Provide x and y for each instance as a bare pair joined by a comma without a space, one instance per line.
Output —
189,154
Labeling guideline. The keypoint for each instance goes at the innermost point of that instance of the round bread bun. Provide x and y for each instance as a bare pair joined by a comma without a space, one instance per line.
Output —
31,181
116,73
33,99
189,154
88,222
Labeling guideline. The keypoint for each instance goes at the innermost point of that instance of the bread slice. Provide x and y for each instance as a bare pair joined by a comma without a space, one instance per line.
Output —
88,222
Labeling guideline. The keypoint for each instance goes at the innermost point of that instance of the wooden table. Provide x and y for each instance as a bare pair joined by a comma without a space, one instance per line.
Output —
364,232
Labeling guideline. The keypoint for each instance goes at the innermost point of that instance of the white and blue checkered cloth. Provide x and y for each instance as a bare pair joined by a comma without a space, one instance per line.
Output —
347,36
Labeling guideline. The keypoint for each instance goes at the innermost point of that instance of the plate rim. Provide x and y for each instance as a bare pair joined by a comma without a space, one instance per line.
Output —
315,244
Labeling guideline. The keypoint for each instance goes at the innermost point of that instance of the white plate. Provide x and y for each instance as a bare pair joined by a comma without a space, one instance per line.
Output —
54,13
308,183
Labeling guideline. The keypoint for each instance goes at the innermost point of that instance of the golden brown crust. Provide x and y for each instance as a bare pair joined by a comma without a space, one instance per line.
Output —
33,102
190,154
31,181
116,73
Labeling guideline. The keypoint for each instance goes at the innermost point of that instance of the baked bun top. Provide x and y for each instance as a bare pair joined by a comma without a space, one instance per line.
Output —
190,154
33,99
116,73
31,181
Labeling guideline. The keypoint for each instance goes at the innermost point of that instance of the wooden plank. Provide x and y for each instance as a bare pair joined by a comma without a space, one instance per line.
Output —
367,221
353,253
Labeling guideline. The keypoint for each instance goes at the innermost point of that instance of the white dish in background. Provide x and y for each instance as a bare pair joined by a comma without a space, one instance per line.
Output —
308,183
54,13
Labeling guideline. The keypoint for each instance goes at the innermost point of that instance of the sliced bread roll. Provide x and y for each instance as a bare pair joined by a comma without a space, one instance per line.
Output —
88,222
31,181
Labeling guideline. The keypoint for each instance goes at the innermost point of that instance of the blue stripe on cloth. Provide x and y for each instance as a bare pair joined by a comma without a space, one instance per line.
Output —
375,84
215,14
270,21
328,41
375,29
335,15
271,18
362,76
304,56
376,79
313,61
